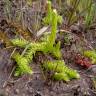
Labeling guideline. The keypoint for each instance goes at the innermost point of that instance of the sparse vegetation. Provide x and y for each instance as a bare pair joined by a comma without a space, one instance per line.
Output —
62,56
43,46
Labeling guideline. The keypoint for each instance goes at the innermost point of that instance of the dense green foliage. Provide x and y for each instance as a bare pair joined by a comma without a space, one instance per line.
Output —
62,72
23,65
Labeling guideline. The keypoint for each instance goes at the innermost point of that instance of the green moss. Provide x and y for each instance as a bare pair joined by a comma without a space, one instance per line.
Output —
91,54
23,65
60,69
19,42
61,76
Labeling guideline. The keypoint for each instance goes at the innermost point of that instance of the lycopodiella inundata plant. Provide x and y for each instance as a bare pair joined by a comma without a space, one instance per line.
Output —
52,19
56,50
47,46
61,71
33,48
23,65
19,42
61,76
23,61
48,18
91,54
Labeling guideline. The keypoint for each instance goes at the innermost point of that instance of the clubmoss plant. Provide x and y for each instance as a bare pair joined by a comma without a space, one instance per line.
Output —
61,76
56,50
19,42
33,48
23,65
49,45
23,61
48,18
61,70
51,39
52,19
91,54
